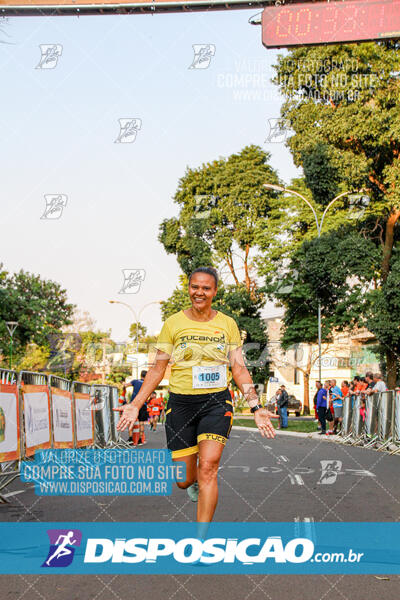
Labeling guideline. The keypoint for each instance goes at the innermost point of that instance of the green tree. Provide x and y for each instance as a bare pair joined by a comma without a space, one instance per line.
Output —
220,205
343,104
40,306
34,359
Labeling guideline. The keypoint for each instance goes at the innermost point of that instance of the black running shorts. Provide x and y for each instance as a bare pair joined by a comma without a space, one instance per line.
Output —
192,418
143,414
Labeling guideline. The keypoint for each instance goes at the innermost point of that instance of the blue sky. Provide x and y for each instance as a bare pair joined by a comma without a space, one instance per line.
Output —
58,132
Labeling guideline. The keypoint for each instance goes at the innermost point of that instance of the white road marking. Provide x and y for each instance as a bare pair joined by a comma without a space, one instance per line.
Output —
245,469
296,479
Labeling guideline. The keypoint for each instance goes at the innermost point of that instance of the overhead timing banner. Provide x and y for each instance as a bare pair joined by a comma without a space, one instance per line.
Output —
40,7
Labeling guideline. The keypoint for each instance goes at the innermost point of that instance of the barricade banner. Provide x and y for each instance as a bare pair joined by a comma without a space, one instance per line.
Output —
63,418
36,418
10,447
84,420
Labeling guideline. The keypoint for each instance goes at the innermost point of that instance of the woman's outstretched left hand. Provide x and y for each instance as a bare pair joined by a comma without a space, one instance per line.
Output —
262,418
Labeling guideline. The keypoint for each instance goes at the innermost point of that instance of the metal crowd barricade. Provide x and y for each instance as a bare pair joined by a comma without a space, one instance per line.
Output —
102,416
83,415
346,430
396,422
10,469
357,422
116,437
385,419
371,419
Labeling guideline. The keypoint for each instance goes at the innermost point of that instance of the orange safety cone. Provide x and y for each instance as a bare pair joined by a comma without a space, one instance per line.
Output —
135,433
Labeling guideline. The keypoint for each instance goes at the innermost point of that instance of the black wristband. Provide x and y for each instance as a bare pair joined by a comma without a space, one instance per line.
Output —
256,407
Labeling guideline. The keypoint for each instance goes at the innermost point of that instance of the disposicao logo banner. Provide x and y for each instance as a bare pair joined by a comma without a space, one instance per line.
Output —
252,548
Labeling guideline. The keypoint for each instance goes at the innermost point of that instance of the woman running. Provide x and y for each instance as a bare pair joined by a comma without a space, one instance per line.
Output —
201,343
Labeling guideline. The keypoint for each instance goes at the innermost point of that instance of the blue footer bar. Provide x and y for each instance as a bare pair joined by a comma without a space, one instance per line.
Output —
221,548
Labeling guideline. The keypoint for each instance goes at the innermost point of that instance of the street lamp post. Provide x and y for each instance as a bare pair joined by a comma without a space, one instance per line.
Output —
319,224
11,327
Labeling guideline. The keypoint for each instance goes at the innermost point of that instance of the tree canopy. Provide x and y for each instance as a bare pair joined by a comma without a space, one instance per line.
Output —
39,306
221,203
343,105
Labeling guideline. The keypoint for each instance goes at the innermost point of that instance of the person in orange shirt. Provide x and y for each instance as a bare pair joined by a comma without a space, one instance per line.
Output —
363,384
155,405
345,388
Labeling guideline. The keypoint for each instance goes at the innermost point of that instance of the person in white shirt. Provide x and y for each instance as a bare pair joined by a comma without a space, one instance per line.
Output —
380,385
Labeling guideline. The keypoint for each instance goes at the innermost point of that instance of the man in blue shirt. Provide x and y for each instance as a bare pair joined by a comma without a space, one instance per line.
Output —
322,403
337,403
143,415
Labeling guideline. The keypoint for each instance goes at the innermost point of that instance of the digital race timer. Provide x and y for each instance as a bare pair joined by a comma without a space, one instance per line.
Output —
330,22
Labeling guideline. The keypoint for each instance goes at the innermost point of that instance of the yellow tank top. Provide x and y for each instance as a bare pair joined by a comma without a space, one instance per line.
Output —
199,352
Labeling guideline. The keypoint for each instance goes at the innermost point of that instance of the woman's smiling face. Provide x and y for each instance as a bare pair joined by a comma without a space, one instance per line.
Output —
202,290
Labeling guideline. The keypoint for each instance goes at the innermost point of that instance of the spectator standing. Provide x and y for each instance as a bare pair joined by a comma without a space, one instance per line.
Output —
329,410
337,403
283,403
345,388
355,384
369,378
318,385
322,404
380,385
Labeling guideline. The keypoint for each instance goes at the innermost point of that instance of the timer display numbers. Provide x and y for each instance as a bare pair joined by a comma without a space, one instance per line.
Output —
330,22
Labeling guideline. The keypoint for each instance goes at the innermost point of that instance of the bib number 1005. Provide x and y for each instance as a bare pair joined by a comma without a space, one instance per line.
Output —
214,377
209,377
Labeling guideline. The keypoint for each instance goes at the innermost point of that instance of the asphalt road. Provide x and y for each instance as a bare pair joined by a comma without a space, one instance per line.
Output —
260,480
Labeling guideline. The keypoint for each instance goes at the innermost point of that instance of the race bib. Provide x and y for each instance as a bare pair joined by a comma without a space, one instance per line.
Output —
209,377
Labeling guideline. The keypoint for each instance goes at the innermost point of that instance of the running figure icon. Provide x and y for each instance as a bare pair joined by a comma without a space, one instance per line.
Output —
63,544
